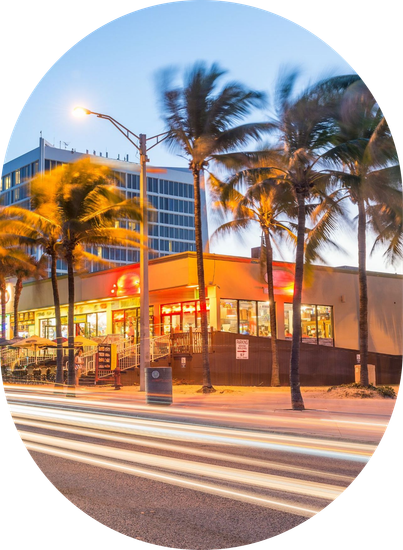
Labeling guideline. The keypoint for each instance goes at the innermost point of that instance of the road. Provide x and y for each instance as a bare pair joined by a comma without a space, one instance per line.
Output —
189,477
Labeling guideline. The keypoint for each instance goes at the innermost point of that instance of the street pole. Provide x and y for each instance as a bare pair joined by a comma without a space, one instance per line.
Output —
144,286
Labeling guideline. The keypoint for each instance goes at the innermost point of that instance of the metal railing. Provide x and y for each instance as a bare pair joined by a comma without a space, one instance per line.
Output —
128,355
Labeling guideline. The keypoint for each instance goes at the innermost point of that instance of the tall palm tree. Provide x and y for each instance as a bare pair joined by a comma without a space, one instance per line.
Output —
370,178
201,120
73,206
263,206
41,228
302,127
87,203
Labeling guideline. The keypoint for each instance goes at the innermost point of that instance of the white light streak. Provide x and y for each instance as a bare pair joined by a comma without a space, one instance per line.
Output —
203,434
180,481
266,481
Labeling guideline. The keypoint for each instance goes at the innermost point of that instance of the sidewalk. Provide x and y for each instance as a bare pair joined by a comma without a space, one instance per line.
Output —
259,399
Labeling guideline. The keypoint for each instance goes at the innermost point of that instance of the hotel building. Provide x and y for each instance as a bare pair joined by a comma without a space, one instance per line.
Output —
169,190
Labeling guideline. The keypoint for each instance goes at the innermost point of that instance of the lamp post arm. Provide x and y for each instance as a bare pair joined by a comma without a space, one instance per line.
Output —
158,140
122,129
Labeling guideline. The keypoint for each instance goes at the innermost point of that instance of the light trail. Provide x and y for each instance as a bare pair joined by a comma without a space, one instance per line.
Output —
202,434
173,451
259,500
211,414
201,453
233,475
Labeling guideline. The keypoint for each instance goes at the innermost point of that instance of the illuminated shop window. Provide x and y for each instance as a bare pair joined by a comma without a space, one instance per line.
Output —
263,317
247,317
182,316
229,315
316,324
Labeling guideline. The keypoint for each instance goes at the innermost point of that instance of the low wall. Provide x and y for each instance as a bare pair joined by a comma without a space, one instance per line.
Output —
319,365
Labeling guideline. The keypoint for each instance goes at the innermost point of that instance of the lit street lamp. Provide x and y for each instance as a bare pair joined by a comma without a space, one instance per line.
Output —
144,289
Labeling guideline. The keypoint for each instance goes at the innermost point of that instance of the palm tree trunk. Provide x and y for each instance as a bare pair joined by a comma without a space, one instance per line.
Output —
70,321
3,306
17,294
207,386
275,368
363,292
296,396
56,301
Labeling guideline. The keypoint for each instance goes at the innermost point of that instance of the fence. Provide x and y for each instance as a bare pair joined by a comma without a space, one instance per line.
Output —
188,343
319,365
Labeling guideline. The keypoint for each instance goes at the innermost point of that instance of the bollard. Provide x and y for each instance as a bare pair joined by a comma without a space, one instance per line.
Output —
116,374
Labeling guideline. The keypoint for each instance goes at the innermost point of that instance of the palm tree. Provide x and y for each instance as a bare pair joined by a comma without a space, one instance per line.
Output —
9,259
31,268
302,127
11,255
370,178
73,206
87,203
387,223
262,205
201,120
41,228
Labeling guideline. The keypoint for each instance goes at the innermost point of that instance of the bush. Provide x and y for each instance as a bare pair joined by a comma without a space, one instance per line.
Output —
385,391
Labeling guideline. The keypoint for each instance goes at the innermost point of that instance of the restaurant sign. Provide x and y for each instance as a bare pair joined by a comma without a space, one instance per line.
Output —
107,354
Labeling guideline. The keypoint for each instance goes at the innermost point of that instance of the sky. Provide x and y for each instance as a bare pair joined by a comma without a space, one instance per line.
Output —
113,71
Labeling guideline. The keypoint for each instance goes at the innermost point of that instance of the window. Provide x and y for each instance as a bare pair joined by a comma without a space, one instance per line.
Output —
229,315
6,182
316,324
182,316
263,318
325,325
247,317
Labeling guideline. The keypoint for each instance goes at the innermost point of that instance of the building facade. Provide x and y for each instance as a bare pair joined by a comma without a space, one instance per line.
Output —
169,190
108,302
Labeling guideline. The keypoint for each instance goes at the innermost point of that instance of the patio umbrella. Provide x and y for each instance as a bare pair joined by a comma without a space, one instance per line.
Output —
63,339
5,342
81,341
34,342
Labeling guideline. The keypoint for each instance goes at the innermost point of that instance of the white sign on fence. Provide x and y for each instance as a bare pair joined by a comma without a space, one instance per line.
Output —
242,349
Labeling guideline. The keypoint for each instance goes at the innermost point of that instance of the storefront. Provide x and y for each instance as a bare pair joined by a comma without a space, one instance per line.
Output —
245,317
108,302
126,322
26,324
182,316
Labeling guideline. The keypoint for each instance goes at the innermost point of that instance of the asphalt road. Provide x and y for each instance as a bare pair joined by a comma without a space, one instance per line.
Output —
182,481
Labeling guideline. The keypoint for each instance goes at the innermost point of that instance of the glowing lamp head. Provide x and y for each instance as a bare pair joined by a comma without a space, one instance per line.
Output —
79,112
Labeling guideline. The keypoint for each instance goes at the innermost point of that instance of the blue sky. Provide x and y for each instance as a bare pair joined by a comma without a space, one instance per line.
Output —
113,71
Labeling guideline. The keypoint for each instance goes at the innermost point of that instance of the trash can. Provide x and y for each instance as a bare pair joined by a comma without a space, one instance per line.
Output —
159,385
371,374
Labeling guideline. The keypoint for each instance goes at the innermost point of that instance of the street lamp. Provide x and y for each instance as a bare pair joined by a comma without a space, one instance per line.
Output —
144,288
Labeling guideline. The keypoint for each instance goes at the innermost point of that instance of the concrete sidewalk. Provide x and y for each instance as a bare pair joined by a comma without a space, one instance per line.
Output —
257,399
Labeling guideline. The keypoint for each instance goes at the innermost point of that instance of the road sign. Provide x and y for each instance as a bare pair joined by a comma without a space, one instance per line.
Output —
242,348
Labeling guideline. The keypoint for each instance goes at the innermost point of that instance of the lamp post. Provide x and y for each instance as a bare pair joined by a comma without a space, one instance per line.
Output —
144,288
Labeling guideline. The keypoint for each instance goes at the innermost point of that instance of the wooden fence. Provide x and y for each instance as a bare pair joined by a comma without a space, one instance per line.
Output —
319,365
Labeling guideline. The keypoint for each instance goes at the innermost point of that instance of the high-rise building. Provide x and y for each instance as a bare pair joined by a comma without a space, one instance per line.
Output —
169,190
